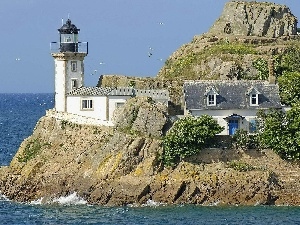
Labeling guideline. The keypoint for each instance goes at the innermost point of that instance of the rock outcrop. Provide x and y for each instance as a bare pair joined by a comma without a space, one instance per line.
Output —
107,166
261,19
142,116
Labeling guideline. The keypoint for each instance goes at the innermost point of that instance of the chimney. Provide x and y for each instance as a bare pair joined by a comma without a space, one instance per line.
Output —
272,78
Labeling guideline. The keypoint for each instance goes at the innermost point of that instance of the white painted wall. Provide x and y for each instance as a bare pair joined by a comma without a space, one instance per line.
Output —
64,76
99,106
112,104
60,87
219,116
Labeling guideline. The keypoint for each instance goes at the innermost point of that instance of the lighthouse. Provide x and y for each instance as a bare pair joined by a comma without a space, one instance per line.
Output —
68,57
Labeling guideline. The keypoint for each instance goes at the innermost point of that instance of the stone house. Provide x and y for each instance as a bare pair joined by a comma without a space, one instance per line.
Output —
233,104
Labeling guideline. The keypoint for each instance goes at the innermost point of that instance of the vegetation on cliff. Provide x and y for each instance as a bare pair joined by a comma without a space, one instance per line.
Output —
281,132
187,137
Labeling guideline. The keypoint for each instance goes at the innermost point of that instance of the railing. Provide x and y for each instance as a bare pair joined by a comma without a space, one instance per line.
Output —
83,47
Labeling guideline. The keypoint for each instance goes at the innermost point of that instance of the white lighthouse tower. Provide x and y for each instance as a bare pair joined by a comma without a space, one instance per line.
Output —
69,67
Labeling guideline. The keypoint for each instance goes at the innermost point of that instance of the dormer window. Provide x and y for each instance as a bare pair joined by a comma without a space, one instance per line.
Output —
211,99
253,94
253,99
211,95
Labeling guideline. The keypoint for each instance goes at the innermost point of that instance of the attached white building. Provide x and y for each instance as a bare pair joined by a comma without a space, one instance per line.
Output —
233,104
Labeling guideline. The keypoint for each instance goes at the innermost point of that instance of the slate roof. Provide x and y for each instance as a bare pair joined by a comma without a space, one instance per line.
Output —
231,94
119,91
90,91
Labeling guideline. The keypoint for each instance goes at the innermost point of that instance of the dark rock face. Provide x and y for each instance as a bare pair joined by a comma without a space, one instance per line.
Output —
260,19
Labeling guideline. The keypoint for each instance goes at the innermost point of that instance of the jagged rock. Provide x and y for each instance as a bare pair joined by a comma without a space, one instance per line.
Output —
143,116
255,19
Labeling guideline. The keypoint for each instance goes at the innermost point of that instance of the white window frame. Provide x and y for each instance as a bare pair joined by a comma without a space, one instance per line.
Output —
86,104
73,66
255,98
74,83
211,100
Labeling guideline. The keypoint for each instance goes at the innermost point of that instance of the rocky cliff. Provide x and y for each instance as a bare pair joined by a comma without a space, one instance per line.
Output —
121,165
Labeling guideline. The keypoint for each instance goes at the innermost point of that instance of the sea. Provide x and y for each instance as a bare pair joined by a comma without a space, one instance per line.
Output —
19,114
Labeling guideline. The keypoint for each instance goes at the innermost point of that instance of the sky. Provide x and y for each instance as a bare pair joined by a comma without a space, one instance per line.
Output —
120,33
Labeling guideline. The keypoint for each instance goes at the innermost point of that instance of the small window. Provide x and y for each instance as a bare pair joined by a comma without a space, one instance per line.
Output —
87,104
74,83
211,100
252,125
254,99
119,104
73,66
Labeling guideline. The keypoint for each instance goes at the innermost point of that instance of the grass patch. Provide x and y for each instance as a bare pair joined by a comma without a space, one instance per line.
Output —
32,149
240,166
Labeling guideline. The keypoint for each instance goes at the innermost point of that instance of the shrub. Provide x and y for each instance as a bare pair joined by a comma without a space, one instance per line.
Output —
187,137
289,85
242,140
261,65
281,132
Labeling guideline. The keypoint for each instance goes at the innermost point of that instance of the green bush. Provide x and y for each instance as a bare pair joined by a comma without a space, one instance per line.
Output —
281,132
289,86
261,65
187,137
243,140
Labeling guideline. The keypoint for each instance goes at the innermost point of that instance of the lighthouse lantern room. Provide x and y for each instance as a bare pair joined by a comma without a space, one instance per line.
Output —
68,37
69,66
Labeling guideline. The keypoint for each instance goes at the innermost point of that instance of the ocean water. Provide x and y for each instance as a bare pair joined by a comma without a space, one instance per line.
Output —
18,116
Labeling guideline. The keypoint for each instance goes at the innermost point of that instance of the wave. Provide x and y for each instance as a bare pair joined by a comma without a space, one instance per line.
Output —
3,198
71,199
149,203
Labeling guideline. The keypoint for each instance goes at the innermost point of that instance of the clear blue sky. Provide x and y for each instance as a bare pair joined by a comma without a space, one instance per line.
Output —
119,32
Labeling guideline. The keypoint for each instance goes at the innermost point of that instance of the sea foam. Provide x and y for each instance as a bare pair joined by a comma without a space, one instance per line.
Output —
3,197
71,199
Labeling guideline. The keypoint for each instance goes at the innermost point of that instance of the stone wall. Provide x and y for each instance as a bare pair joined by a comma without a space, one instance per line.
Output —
77,119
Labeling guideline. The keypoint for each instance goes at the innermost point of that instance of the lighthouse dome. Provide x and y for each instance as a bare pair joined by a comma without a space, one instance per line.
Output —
68,28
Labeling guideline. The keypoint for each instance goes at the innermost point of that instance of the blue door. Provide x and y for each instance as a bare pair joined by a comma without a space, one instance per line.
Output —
233,126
